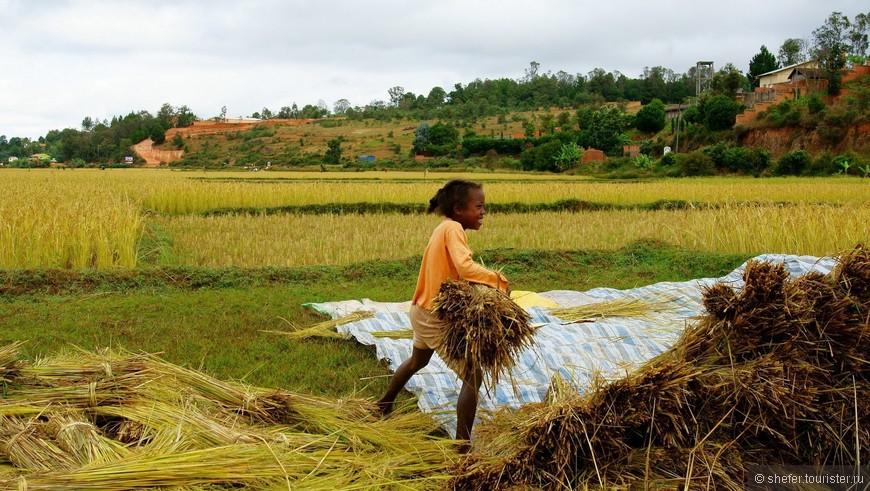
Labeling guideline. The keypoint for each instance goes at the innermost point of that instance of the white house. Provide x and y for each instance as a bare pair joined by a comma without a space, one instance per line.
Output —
791,73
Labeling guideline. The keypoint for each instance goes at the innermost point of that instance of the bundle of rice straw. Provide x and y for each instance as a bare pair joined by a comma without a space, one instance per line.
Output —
777,373
484,328
618,307
325,329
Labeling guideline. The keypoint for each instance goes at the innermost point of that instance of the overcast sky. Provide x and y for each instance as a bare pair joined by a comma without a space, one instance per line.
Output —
63,60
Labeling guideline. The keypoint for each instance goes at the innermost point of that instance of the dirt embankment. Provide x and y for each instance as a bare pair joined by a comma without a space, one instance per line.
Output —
155,157
779,141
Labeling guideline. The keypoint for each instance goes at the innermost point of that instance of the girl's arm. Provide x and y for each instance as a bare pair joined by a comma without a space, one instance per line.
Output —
461,255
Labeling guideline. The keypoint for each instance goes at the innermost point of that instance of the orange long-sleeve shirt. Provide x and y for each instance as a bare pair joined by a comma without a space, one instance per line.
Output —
448,256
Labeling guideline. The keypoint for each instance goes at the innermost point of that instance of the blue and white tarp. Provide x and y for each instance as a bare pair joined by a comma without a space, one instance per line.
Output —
605,349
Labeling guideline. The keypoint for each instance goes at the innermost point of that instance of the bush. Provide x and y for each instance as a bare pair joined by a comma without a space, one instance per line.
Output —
720,113
651,117
815,104
696,163
542,157
822,165
668,160
792,163
738,159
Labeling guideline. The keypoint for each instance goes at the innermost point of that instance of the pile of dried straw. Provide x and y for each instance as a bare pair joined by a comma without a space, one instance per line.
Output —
93,421
776,373
484,328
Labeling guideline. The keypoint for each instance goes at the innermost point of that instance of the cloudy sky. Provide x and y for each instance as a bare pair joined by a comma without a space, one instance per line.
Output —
63,60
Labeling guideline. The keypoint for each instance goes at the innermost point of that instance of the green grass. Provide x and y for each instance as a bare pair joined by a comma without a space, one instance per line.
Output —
212,319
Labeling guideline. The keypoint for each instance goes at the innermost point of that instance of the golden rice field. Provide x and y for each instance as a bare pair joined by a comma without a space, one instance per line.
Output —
288,240
92,218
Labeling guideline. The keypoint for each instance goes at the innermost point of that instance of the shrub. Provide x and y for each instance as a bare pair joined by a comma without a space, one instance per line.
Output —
815,104
651,117
720,112
668,160
792,163
696,163
542,157
821,165
644,162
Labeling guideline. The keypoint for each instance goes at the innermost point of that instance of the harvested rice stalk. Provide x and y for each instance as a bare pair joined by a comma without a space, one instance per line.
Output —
26,444
73,368
175,428
83,441
326,329
620,307
81,394
484,329
394,334
776,373
9,361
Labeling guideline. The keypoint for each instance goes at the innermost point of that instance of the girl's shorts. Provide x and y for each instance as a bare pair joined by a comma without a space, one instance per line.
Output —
427,328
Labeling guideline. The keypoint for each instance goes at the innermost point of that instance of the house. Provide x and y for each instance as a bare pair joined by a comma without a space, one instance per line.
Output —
789,74
366,158
12,159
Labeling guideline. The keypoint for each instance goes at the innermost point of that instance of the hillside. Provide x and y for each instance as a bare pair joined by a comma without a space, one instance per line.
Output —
815,123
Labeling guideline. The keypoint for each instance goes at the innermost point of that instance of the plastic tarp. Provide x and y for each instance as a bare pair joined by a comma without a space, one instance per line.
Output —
605,349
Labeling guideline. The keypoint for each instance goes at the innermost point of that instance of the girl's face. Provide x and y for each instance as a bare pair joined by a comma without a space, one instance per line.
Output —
472,215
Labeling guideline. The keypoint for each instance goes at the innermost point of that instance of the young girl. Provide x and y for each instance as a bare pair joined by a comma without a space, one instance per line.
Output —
447,256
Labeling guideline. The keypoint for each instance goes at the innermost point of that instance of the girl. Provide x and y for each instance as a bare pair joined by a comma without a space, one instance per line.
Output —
447,256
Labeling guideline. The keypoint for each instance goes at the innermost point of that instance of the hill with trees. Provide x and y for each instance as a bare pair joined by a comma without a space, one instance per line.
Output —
542,121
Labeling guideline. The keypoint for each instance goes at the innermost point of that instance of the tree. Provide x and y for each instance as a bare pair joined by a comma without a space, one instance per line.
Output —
223,115
396,94
185,117
266,113
763,62
830,44
158,134
606,126
720,112
340,106
443,134
421,138
858,34
651,118
333,152
532,71
166,115
547,123
436,97
792,52
727,80
87,123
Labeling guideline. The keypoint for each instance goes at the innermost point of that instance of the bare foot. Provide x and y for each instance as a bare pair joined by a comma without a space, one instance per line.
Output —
463,447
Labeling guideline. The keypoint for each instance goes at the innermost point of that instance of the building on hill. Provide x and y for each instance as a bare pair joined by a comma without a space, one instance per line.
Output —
789,74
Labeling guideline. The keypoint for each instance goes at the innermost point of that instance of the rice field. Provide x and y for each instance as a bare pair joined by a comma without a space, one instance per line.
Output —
289,240
113,219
